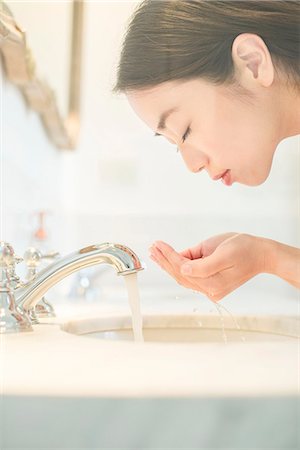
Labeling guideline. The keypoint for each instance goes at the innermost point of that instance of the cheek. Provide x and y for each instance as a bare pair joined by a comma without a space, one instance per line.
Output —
238,136
240,143
217,130
258,163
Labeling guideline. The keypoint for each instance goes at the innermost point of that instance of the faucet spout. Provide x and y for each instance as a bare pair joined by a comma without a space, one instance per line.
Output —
121,258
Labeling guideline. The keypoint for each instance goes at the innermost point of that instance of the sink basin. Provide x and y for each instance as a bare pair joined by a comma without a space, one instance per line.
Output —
193,328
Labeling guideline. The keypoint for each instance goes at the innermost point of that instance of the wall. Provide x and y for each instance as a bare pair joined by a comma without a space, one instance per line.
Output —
51,50
30,169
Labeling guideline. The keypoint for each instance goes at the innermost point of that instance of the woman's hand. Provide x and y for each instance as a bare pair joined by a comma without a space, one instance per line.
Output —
216,266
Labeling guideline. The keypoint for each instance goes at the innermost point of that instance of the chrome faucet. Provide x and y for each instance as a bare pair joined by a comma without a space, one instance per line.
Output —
33,258
17,300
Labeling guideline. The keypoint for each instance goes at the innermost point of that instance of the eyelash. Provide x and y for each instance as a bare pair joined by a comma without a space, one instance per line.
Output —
186,134
184,137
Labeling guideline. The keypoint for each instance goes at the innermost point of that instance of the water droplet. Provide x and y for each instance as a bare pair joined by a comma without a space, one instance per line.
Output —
233,319
222,322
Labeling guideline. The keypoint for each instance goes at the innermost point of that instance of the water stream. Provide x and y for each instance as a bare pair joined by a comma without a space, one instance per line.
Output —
134,303
224,335
219,308
137,320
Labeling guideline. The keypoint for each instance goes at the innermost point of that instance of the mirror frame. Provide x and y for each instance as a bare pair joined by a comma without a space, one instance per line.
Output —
20,69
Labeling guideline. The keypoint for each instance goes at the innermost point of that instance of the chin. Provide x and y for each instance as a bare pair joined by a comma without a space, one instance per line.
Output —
256,178
256,183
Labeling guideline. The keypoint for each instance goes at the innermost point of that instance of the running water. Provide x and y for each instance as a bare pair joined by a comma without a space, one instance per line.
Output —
234,321
225,340
134,303
219,307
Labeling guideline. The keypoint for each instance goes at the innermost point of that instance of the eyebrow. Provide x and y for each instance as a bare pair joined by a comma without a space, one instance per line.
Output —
162,120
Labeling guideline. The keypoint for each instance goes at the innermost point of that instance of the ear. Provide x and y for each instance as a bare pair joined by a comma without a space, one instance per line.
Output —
252,61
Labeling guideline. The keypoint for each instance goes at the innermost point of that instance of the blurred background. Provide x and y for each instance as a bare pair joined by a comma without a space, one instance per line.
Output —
119,184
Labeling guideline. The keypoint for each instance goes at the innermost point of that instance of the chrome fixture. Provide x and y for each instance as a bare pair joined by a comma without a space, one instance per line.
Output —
11,319
33,259
18,299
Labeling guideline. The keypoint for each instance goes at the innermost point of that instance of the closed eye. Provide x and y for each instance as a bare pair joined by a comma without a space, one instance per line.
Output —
184,137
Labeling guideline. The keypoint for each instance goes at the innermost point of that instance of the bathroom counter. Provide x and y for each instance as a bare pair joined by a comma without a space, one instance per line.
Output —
65,391
52,362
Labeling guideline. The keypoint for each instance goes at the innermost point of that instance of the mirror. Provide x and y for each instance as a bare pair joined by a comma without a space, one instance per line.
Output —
41,44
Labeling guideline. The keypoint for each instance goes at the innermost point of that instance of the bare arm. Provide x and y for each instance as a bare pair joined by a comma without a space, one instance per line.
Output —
283,261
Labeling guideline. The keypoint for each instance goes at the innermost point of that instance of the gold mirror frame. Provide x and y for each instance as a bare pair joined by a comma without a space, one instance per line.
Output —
19,66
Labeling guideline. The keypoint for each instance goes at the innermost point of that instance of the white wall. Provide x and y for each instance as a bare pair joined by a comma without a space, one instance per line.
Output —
30,168
47,25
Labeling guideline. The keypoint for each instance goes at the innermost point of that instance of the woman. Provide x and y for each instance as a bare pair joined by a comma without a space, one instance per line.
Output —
221,81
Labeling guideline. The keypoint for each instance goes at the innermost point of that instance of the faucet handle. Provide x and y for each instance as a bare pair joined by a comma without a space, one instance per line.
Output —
8,260
11,318
15,281
18,259
7,255
32,257
9,279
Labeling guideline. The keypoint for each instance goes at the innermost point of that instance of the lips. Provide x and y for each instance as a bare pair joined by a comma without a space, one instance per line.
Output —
225,176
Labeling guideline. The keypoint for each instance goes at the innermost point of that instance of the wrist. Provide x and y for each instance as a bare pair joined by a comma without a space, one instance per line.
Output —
281,260
271,255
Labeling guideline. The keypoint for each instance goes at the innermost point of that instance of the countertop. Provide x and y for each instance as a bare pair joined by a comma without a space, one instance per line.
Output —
52,362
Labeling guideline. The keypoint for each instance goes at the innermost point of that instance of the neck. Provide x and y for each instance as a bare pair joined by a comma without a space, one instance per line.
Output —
289,113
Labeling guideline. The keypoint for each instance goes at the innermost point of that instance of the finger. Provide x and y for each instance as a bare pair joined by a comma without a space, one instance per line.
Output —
193,252
163,262
207,247
157,261
153,258
170,254
206,267
157,255
186,253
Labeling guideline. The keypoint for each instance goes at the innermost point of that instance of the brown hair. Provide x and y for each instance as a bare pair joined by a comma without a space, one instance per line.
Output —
185,39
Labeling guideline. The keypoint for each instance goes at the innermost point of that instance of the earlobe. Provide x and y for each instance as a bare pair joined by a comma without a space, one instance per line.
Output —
252,60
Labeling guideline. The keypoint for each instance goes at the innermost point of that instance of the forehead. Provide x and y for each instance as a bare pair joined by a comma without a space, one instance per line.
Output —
150,103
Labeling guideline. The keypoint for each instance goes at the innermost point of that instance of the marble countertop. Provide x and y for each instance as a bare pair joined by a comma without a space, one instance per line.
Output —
52,362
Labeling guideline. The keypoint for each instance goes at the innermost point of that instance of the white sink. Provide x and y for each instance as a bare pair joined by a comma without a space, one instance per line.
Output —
193,328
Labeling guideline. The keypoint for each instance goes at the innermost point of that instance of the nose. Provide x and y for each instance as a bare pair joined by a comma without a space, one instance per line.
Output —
196,169
194,161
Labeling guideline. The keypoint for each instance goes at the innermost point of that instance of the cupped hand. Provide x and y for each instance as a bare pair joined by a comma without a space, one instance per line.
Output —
214,267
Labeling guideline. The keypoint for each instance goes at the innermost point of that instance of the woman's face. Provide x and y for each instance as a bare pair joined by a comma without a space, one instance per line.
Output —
233,136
